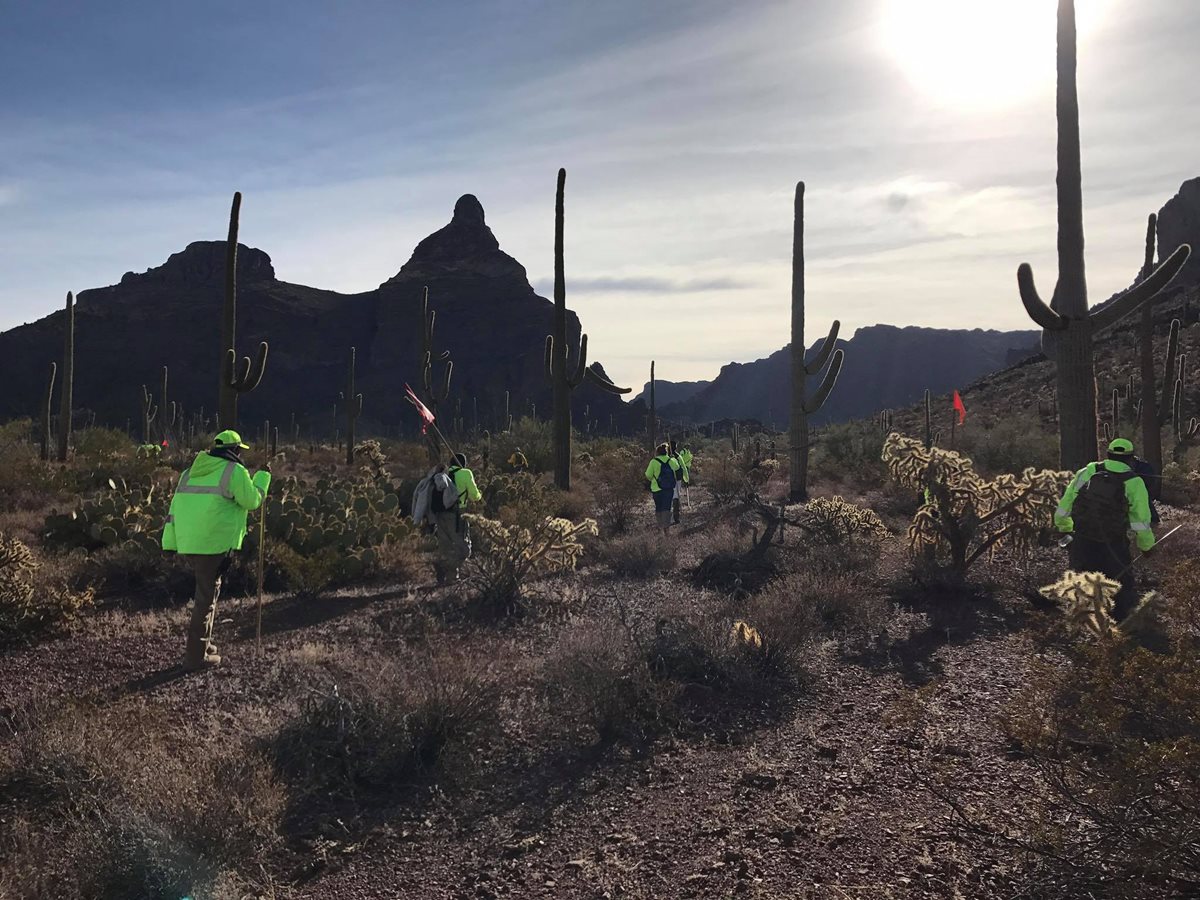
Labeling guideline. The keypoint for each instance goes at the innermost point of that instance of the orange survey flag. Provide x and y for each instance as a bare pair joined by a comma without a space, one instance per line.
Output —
960,408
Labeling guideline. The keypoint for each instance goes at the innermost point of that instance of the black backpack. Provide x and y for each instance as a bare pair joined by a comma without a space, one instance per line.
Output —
1101,510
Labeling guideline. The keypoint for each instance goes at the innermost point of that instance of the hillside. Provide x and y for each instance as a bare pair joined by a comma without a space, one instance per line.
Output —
885,366
489,318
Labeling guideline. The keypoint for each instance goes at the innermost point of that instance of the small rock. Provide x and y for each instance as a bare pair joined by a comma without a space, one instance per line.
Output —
761,781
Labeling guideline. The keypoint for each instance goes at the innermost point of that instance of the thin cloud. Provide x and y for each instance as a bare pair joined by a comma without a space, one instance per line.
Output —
645,285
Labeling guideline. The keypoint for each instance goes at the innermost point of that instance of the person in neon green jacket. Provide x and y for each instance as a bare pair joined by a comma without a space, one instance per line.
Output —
1102,504
663,474
205,524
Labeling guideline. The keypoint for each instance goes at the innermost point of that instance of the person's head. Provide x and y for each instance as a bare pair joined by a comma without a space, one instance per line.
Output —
663,449
460,460
229,444
1121,450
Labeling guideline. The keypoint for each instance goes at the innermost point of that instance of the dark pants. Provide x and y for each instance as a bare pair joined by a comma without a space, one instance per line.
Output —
1111,559
208,569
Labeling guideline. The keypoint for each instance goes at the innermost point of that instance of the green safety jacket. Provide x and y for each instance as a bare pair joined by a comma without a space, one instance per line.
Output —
655,469
464,480
208,511
1135,493
685,465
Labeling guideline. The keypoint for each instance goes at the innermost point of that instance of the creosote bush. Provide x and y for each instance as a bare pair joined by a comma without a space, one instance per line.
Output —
90,808
638,555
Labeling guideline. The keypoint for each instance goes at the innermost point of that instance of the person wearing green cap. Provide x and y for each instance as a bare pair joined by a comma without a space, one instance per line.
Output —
1103,503
205,524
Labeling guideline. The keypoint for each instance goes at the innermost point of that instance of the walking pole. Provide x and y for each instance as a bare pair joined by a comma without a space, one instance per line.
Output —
262,555
1142,556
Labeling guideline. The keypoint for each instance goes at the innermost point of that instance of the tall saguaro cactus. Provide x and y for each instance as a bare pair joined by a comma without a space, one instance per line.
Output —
804,406
564,383
67,393
653,429
354,405
1067,323
434,395
149,413
234,379
47,406
1156,409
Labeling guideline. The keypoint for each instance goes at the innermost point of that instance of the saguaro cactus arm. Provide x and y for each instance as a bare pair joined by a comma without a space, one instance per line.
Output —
1129,302
603,383
245,378
826,350
814,403
1040,311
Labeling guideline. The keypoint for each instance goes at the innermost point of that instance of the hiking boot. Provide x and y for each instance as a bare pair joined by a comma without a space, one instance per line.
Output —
211,661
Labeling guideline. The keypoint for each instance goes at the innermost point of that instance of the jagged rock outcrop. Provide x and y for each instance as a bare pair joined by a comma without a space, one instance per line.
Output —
489,318
895,366
1179,223
668,392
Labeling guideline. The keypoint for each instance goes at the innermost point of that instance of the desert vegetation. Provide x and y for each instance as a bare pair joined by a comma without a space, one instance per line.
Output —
857,667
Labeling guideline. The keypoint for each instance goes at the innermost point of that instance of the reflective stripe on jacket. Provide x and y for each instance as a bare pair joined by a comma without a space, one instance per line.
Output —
1135,494
208,510
655,469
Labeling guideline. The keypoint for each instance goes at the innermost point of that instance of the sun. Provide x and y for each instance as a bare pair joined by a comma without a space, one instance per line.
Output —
979,54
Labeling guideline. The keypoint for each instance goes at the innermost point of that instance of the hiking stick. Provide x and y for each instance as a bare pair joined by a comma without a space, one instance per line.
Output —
1142,556
262,555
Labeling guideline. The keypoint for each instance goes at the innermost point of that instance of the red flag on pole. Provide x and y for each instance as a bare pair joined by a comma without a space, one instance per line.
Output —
960,408
422,410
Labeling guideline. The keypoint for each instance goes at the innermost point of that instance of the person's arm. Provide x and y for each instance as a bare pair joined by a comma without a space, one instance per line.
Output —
249,493
1139,513
469,487
652,473
1062,516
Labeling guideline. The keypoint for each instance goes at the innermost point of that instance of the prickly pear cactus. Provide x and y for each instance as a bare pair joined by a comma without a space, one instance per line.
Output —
114,516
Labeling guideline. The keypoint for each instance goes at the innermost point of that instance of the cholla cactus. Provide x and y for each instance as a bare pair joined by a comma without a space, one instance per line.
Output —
839,522
16,570
512,554
965,516
744,634
1086,599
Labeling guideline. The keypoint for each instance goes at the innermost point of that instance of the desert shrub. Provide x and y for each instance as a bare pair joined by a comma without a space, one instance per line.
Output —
599,680
1009,445
831,520
101,444
726,480
1115,737
618,485
638,555
385,728
848,453
964,516
815,603
1180,486
535,439
152,812
507,557
33,599
519,499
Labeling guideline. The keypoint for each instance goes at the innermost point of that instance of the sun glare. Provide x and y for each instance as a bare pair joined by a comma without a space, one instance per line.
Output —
978,53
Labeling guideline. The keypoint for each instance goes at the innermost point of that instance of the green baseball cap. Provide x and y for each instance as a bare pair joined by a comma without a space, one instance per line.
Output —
229,438
1121,447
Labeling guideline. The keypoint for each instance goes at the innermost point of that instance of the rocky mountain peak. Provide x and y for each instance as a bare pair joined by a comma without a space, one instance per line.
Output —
465,246
203,263
1179,223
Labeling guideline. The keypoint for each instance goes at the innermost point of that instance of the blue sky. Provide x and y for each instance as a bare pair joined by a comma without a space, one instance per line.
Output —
352,128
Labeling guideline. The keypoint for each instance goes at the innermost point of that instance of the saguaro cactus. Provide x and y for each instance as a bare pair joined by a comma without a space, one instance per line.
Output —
149,412
563,382
234,379
354,405
804,406
653,429
46,410
433,396
67,393
1066,322
1155,407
